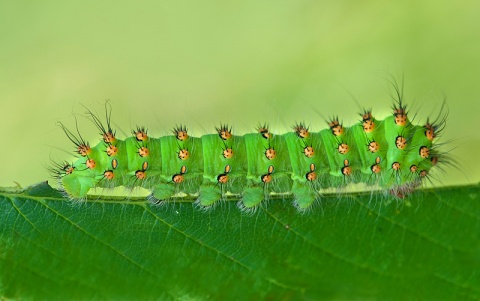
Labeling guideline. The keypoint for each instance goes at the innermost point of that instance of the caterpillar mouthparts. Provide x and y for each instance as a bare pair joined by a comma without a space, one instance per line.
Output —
393,154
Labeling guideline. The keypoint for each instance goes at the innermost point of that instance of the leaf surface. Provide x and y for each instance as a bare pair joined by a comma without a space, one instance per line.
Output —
359,246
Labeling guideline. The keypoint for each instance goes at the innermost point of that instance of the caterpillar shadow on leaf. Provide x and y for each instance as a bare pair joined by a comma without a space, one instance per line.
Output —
393,154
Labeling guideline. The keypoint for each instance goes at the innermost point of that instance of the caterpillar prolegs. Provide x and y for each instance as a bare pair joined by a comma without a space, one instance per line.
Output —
393,154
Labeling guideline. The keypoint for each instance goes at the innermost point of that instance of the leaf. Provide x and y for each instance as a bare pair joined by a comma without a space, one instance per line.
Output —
360,246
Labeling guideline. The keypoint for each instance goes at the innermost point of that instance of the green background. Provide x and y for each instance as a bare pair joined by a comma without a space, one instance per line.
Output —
204,62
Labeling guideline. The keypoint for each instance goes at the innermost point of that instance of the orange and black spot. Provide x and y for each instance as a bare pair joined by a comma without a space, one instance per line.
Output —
311,175
84,149
267,178
142,174
423,173
375,168
108,174
413,168
308,151
396,166
301,130
143,151
336,127
112,150
343,148
179,178
224,132
400,142
263,130
109,137
180,133
373,146
270,153
424,152
91,163
368,122
400,115
346,169
223,178
140,134
228,153
430,131
66,168
183,154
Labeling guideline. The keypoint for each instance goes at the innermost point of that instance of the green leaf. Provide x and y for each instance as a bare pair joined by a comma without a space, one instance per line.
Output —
360,246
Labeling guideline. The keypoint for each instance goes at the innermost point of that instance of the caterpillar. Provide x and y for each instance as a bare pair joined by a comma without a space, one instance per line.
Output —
392,153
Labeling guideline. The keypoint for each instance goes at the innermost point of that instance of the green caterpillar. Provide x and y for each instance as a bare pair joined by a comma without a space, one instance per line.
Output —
392,153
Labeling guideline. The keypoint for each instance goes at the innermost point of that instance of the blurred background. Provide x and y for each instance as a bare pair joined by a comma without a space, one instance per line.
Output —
199,63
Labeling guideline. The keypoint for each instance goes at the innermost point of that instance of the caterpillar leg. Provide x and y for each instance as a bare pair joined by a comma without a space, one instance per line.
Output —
163,191
209,195
304,195
180,182
252,196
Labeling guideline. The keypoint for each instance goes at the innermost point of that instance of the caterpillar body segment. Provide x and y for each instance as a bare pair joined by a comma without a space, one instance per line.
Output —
392,153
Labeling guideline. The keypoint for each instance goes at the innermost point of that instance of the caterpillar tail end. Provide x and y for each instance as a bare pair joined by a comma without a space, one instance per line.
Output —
76,187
